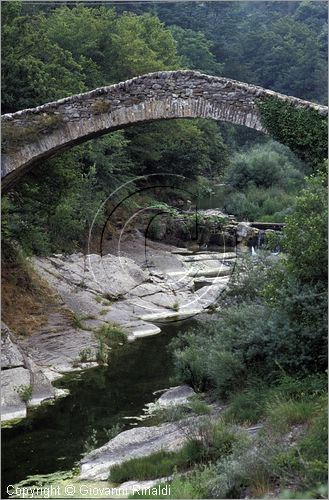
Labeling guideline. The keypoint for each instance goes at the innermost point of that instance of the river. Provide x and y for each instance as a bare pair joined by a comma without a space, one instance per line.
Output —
53,436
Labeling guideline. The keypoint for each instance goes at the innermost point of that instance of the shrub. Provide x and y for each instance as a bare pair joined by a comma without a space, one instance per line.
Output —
306,463
264,165
304,131
306,233
100,106
190,360
113,431
91,442
173,413
24,392
112,334
281,414
102,352
206,441
77,320
109,336
14,135
285,334
86,354
246,406
193,486
258,203
225,438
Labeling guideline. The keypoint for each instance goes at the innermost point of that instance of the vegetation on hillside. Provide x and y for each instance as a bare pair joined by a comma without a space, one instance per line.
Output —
266,355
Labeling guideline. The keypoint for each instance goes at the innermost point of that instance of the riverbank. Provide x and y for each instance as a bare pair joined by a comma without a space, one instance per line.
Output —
161,284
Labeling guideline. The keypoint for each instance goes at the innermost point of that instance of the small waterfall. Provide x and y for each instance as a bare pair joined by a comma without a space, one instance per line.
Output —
253,251
259,240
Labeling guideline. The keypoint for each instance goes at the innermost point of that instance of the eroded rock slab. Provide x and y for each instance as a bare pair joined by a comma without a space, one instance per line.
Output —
11,356
12,406
59,350
133,443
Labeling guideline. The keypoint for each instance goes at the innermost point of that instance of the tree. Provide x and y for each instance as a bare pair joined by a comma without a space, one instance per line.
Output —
195,50
286,56
34,70
185,147
305,237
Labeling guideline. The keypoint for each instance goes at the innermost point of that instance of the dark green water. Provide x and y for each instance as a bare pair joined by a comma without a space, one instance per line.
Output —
53,437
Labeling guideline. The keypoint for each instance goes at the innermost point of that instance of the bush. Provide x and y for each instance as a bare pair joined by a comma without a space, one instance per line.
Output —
24,392
173,413
272,204
112,334
247,407
190,360
278,327
86,354
264,165
194,486
304,131
282,414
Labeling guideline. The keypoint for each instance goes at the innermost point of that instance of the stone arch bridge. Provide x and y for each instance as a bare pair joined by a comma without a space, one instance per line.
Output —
36,134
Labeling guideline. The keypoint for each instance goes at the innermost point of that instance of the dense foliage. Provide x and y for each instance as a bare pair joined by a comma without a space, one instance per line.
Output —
278,45
304,131
262,182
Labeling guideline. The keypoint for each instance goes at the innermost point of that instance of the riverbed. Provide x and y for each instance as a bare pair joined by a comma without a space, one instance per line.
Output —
54,436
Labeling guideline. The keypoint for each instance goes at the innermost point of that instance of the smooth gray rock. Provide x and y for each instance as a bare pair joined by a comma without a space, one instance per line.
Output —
176,396
58,350
42,387
243,229
133,443
12,406
11,356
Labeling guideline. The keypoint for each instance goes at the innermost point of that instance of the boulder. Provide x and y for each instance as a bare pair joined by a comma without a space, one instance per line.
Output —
243,230
176,396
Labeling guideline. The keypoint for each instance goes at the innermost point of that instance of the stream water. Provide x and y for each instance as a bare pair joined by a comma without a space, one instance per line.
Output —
53,437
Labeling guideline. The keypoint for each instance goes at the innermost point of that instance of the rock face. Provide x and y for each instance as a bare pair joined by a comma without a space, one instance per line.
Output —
11,356
115,289
12,406
18,373
134,443
155,96
102,290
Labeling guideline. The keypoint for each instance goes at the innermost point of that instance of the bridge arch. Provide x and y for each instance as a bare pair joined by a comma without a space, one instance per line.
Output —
36,134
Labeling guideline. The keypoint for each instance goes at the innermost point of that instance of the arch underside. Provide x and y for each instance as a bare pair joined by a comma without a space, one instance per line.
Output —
56,126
